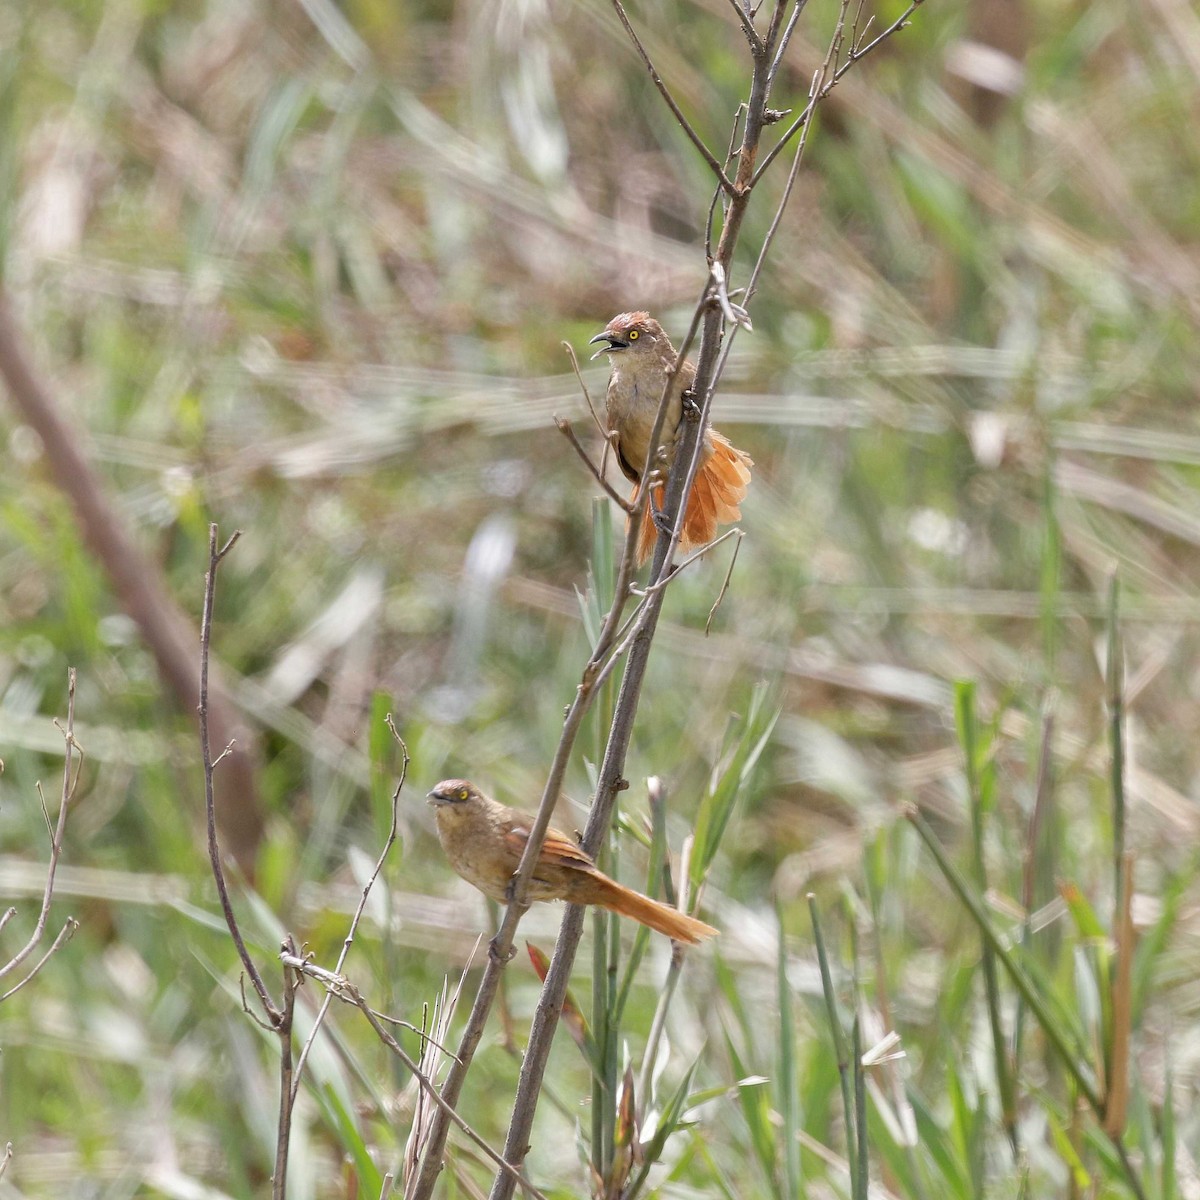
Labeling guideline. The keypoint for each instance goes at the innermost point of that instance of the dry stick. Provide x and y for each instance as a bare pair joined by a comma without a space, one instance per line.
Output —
56,843
817,92
678,486
694,137
747,27
856,53
65,934
718,191
564,427
695,556
283,1133
275,1016
777,61
135,579
712,612
339,986
583,387
348,941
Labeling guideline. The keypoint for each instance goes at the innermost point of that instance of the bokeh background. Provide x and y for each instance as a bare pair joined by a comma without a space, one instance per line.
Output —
305,269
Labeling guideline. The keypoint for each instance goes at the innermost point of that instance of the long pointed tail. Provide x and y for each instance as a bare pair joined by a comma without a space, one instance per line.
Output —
660,917
717,491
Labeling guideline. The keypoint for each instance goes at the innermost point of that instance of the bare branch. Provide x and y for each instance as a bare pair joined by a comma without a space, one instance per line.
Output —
747,25
283,1136
817,84
583,387
69,782
339,986
789,29
64,935
718,193
362,904
712,612
274,1014
564,427
856,53
695,138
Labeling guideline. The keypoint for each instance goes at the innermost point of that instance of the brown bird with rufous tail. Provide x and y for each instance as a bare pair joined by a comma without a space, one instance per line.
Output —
641,357
484,841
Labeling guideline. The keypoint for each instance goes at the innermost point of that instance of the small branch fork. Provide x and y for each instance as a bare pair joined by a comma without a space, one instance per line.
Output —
684,124
70,782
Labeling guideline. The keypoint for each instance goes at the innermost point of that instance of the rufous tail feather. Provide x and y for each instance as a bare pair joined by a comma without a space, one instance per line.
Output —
662,918
717,492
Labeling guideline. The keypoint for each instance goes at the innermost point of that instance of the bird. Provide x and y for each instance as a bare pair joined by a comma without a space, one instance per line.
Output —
641,357
484,841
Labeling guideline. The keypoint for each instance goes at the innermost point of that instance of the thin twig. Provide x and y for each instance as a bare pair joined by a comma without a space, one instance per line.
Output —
685,125
747,27
348,941
735,314
712,612
274,1015
719,192
335,984
789,29
69,784
856,54
815,90
283,1134
583,387
695,556
352,995
64,935
564,427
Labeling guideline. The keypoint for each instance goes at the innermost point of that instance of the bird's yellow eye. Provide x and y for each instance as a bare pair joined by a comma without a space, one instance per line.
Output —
634,335
463,793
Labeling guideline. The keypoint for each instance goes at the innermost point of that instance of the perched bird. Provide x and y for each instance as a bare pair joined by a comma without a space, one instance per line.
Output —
484,841
641,357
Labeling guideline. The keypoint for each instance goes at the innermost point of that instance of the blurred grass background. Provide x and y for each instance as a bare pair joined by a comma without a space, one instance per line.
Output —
305,270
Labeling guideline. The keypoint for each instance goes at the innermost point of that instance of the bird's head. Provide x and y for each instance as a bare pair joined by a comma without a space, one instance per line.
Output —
630,333
453,792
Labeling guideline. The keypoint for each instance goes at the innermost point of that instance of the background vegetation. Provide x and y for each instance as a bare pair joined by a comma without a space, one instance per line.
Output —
306,269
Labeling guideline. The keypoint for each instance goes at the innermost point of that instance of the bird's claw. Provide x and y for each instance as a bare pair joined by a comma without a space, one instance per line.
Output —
661,521
690,403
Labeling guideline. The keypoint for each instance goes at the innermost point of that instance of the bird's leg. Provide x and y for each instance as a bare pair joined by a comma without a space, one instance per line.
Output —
661,521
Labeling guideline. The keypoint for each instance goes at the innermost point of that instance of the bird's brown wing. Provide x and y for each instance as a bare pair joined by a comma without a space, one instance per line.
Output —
625,465
557,850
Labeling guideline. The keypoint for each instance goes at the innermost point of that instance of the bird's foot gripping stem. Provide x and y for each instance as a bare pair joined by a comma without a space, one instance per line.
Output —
661,521
690,404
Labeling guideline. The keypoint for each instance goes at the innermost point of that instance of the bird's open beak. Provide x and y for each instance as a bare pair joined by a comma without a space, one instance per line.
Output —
614,343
